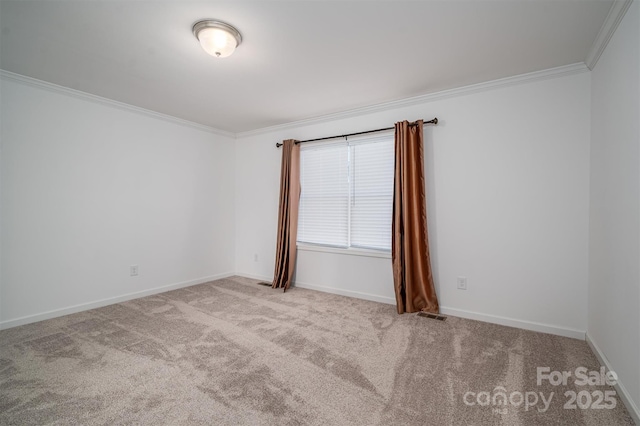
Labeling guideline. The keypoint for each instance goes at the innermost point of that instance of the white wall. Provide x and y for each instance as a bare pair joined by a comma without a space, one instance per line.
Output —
614,273
508,193
89,189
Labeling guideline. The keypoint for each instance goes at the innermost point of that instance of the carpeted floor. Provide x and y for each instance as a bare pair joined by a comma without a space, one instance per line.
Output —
231,352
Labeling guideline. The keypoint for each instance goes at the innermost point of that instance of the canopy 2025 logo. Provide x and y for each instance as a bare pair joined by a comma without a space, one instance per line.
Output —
585,399
596,399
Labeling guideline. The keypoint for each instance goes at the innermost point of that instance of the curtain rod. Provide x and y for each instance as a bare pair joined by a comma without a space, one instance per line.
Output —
433,121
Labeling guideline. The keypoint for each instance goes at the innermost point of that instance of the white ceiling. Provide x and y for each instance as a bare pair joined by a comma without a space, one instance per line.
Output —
298,59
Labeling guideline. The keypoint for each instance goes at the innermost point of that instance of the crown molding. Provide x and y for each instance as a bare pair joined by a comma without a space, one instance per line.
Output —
562,71
616,13
30,81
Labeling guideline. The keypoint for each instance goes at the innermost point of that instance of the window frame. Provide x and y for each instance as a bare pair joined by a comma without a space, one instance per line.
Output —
351,251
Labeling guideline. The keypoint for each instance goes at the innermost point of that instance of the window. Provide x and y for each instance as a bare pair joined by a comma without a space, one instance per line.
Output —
347,193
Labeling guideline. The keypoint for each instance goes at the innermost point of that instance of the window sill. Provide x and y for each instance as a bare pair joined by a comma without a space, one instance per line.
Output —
344,251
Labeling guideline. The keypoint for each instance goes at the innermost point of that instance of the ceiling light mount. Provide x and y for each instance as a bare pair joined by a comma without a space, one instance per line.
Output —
217,38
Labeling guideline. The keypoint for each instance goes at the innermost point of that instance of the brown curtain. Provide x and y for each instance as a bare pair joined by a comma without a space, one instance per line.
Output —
412,275
287,215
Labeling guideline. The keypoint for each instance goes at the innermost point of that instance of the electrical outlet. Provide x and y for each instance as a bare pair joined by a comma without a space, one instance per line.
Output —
462,283
133,270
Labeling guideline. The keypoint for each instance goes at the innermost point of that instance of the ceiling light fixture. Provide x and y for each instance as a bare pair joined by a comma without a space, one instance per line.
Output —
217,38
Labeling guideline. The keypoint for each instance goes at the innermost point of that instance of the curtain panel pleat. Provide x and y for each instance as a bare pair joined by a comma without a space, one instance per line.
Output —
412,276
287,215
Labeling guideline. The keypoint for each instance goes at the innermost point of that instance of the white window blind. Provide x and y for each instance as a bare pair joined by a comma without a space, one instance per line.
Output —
323,216
347,193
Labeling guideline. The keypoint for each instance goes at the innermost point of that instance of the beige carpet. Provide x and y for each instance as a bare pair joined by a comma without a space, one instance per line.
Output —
231,352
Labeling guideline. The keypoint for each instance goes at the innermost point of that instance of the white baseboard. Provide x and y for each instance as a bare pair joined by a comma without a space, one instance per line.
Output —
494,319
632,408
348,293
104,302
511,322
324,289
255,276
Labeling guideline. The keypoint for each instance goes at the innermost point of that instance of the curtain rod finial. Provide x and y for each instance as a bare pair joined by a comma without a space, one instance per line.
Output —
435,120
